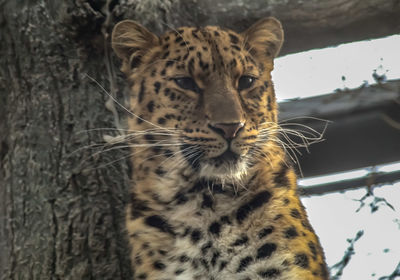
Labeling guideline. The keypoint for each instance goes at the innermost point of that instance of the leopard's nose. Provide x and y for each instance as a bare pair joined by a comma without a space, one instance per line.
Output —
228,130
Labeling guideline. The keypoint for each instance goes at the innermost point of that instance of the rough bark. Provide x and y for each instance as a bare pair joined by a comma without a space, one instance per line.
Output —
61,207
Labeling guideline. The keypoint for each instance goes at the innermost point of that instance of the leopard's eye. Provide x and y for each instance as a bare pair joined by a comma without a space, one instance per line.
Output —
245,82
187,83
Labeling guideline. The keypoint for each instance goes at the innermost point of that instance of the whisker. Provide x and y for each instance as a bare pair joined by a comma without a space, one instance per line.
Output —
170,130
176,31
108,163
304,117
119,104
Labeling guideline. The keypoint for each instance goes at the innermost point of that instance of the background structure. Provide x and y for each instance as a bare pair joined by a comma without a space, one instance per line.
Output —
61,196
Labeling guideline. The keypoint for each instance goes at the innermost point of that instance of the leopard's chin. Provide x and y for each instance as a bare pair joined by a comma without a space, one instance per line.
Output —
228,167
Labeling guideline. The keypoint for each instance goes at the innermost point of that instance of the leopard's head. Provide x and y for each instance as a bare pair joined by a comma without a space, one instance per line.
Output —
203,94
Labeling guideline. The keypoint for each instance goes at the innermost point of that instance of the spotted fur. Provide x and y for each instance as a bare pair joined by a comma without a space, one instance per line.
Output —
213,196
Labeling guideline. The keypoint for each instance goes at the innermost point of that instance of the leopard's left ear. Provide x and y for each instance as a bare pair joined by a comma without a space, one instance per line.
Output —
265,37
131,41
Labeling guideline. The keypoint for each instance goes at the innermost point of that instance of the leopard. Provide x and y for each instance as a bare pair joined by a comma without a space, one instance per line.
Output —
213,192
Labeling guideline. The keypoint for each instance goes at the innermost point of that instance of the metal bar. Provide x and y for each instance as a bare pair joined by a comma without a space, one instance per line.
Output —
373,178
364,129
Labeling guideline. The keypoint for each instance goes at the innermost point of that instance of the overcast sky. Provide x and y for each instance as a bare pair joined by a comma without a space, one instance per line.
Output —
320,71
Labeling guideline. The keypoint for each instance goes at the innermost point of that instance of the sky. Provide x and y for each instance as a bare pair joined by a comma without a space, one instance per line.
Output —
335,220
321,71
334,216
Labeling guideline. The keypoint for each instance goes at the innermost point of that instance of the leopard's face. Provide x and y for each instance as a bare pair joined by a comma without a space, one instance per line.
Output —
206,92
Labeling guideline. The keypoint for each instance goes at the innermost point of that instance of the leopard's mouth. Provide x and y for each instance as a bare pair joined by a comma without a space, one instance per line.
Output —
228,166
227,156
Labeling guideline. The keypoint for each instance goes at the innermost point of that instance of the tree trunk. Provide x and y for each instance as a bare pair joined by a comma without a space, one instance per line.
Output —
61,207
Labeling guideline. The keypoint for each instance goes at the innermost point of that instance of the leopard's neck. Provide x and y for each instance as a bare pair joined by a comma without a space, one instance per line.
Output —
167,188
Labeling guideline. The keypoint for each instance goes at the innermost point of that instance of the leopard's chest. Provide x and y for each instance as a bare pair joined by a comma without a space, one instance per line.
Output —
210,241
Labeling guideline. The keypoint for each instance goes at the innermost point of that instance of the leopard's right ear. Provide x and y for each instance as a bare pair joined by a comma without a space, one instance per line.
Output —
131,40
265,38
